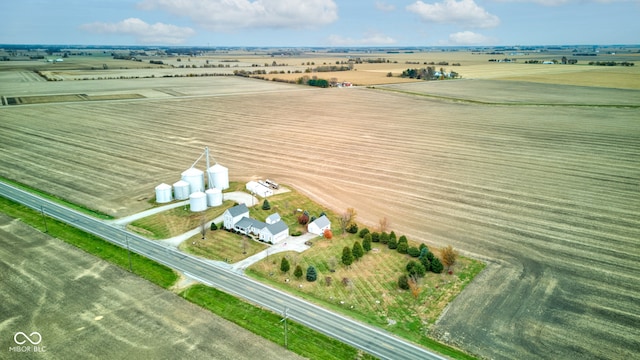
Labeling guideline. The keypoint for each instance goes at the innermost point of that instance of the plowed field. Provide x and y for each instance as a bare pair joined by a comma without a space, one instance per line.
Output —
548,195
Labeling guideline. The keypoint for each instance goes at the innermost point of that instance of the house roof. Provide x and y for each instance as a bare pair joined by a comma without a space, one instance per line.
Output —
321,222
238,210
273,218
247,222
277,228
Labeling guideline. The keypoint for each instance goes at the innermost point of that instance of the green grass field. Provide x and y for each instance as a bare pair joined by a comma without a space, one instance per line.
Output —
222,245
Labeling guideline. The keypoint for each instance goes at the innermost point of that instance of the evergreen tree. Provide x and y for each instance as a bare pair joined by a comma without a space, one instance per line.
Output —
214,226
423,246
266,205
312,275
363,232
375,237
392,235
403,239
298,272
284,265
413,251
352,228
347,256
423,251
366,242
384,238
357,251
436,265
392,243
402,247
416,268
426,263
403,282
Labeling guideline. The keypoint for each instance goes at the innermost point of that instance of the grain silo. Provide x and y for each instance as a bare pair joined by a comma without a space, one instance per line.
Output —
214,197
195,178
163,193
218,177
198,201
181,190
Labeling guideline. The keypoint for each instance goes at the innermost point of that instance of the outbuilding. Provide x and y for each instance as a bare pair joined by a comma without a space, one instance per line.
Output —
319,225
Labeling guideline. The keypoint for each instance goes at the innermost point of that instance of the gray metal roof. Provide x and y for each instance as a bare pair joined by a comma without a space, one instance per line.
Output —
277,228
238,210
322,221
246,222
273,218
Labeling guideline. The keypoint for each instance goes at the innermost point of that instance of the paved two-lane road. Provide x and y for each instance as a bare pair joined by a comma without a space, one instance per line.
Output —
374,341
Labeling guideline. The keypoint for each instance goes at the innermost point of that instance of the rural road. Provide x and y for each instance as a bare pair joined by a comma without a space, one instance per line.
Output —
367,338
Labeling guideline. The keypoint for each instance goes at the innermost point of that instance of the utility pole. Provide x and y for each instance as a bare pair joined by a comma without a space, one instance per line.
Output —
286,344
44,219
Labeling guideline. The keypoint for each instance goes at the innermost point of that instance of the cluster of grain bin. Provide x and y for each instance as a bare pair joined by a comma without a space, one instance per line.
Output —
191,187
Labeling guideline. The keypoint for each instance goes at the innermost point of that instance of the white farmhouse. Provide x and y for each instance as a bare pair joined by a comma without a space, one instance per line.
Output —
232,215
275,232
319,225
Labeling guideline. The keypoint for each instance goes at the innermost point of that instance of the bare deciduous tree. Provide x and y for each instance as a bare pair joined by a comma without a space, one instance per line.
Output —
384,224
414,287
449,256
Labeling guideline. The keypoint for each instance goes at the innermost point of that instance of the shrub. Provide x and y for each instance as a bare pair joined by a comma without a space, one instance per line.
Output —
436,265
426,263
413,251
402,247
298,272
303,219
214,226
416,268
352,228
384,238
403,282
375,237
347,256
392,243
327,234
363,232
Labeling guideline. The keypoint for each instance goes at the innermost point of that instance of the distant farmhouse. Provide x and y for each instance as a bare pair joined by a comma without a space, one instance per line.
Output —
237,219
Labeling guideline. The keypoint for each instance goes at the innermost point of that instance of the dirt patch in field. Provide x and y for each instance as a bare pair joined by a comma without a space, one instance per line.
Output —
84,308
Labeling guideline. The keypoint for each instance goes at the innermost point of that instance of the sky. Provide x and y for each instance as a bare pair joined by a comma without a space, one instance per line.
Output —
321,23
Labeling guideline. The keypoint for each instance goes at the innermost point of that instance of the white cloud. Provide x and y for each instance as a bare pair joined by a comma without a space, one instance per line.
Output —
368,40
144,33
468,38
229,15
385,7
463,12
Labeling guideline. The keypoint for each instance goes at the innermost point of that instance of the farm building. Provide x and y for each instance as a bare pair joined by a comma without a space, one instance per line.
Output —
259,189
319,225
232,215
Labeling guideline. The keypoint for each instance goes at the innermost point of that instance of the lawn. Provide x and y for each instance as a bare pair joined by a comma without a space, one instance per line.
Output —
222,245
176,221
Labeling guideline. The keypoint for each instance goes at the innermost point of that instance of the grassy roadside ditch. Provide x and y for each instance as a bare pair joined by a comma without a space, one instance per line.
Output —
302,340
59,200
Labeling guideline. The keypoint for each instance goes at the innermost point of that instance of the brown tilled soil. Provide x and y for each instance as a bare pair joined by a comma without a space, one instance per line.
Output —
547,195
85,308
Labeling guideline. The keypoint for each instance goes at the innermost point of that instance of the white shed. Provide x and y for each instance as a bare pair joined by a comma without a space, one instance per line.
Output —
319,225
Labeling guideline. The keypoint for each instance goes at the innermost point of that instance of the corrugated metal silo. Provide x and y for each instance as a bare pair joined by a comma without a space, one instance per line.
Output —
163,193
181,190
214,197
198,201
218,176
195,178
